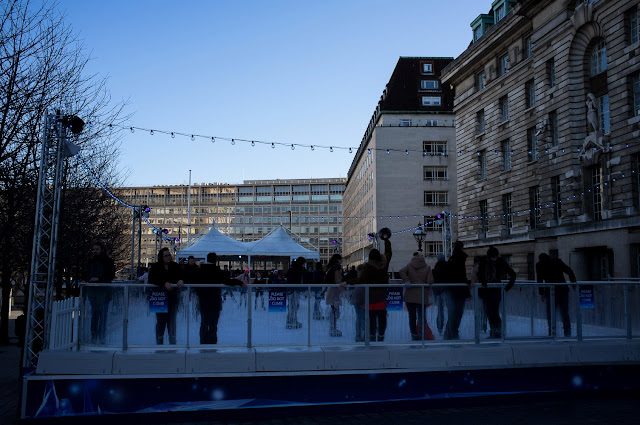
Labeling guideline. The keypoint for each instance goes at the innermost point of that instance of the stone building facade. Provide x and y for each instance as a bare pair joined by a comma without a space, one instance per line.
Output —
547,104
311,208
404,170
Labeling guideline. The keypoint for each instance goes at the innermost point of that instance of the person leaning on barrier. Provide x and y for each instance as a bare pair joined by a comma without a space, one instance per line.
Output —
417,298
457,295
492,269
210,298
552,270
99,269
334,294
375,272
164,274
294,277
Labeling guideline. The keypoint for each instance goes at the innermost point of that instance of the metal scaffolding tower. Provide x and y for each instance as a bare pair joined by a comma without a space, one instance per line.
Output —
43,257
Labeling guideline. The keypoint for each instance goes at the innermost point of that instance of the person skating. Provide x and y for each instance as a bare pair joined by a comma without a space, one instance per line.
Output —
552,270
99,269
491,270
165,273
334,293
417,298
375,271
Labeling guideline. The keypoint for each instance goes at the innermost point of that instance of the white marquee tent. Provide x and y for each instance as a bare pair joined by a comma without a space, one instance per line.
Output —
278,243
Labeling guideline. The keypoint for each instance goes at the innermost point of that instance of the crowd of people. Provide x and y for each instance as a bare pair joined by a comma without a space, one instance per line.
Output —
421,291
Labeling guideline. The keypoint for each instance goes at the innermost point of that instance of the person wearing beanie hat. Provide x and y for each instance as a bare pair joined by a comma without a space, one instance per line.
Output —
492,269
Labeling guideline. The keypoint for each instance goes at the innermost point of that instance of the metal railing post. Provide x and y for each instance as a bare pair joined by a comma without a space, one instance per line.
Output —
627,311
533,303
552,311
578,314
249,317
367,327
424,316
125,319
503,330
476,315
188,310
309,316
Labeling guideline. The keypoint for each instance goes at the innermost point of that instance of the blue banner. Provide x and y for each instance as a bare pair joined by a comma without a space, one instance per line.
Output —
277,300
586,297
158,302
394,299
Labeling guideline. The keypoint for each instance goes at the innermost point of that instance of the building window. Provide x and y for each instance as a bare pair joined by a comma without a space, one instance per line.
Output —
484,221
434,148
603,114
635,89
507,212
482,164
505,147
480,122
556,195
596,192
530,93
598,59
551,72
504,108
404,123
433,248
632,23
480,79
427,68
432,223
499,12
477,32
503,64
553,127
535,207
436,198
532,144
430,123
431,101
436,173
429,84
527,47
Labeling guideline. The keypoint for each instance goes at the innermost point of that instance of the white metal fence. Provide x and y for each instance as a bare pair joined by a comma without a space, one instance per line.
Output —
65,324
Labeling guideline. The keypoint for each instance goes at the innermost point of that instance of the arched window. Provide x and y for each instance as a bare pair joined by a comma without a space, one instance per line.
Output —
598,59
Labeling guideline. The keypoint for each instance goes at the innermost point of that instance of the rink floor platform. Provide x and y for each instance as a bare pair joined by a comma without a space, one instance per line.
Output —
166,360
234,381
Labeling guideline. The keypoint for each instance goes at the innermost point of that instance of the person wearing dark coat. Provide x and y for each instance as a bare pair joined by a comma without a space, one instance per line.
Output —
457,295
210,298
492,269
99,269
317,278
375,271
441,274
164,274
552,270
294,277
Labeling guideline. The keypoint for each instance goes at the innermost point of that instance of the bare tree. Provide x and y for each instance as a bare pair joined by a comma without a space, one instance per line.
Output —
42,67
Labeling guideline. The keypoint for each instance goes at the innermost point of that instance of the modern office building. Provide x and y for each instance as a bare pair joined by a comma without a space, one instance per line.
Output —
403,173
310,208
547,104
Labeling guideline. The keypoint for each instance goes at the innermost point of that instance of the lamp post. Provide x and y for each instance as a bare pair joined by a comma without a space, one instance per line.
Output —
419,235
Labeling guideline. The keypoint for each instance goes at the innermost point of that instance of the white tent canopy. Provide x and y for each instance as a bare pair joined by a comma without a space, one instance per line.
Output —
279,243
213,241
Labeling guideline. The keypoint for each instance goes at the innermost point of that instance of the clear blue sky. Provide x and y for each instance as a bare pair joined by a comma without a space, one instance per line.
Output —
284,71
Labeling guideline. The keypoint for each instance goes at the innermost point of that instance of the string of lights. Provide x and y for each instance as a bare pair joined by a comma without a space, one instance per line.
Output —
331,148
